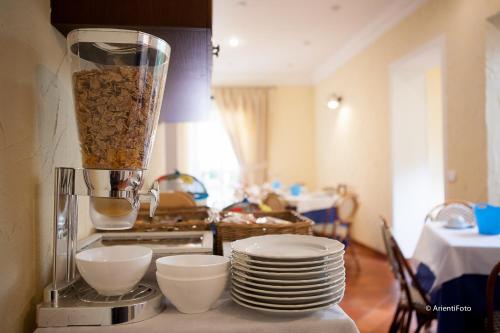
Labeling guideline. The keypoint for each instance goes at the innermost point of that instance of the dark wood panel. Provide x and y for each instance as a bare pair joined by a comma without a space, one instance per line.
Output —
185,24
171,13
187,90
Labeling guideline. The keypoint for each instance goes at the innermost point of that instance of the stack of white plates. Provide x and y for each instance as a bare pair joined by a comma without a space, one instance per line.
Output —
287,273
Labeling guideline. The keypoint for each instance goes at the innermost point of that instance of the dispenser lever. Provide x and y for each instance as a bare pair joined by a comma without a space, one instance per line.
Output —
153,196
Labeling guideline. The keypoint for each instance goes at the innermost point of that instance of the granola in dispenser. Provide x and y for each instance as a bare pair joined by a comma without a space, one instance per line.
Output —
115,115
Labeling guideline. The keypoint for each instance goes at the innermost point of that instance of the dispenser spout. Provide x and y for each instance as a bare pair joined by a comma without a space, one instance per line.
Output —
153,196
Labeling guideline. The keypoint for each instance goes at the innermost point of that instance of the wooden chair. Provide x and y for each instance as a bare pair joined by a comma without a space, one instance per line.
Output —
413,299
450,209
492,316
346,207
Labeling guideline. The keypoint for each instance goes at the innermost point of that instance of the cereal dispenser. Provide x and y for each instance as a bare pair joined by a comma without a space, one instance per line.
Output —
118,78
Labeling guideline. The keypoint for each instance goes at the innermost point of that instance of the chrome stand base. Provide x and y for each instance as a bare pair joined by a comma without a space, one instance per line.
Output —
82,306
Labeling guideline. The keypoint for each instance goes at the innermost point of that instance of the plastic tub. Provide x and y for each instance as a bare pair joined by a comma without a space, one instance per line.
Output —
487,218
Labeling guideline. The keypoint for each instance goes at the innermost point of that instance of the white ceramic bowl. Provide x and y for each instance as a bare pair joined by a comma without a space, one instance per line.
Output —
114,270
192,266
192,295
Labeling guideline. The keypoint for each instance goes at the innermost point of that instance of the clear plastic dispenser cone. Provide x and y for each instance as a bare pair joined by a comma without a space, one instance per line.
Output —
118,78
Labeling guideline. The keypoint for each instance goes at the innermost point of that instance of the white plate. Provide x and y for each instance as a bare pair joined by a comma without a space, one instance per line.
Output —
288,299
302,287
289,247
328,278
286,263
285,311
286,306
289,269
294,293
332,270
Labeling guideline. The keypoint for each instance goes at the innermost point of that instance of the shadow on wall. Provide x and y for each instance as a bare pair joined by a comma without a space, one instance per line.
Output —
52,127
37,132
18,148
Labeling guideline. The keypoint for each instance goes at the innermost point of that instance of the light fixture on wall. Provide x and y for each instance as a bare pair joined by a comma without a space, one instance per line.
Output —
334,101
234,41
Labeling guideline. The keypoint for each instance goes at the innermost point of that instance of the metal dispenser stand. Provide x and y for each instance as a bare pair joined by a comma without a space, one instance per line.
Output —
68,300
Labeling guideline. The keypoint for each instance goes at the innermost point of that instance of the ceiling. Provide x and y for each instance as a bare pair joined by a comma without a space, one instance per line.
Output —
295,41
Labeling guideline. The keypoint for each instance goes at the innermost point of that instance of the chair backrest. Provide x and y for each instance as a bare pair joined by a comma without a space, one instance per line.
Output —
490,297
347,206
400,267
342,189
389,248
451,209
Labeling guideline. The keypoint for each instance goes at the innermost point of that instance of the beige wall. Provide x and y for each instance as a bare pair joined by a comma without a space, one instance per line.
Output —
291,135
37,132
358,136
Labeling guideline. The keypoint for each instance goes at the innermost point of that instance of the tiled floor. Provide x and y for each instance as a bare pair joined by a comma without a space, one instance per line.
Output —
372,292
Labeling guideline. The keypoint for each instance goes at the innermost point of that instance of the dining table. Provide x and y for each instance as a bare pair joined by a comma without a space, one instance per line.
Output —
454,265
317,206
227,317
308,202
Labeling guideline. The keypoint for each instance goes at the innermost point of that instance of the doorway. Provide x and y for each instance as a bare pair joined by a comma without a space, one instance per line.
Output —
416,141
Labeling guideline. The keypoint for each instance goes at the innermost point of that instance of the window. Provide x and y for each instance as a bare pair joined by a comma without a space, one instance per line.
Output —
210,158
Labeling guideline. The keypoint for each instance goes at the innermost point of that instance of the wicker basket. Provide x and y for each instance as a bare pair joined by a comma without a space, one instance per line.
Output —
227,231
175,219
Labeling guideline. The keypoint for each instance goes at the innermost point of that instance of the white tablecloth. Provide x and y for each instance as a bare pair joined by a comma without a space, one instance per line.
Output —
451,253
227,317
311,201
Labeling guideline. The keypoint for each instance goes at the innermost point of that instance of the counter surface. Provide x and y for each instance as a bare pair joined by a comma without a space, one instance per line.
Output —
227,317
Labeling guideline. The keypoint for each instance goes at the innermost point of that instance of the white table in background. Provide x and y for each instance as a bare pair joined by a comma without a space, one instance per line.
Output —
311,201
228,317
451,253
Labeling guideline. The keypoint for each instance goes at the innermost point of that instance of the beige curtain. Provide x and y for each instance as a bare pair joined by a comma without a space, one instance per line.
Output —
244,112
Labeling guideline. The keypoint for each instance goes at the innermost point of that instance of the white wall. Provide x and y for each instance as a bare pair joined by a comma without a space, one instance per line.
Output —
493,108
435,131
416,141
409,179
